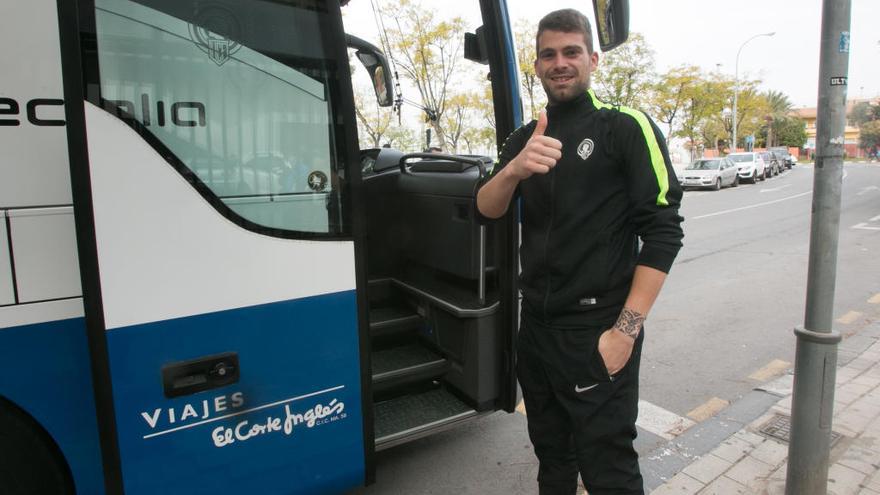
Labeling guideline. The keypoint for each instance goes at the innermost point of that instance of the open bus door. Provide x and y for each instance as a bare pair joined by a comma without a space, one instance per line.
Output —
261,316
216,246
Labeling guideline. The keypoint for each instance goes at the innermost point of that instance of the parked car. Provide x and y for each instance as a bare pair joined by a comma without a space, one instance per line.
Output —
785,158
750,166
679,172
771,162
713,173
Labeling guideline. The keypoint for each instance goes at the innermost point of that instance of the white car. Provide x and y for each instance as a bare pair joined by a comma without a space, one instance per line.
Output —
713,173
750,166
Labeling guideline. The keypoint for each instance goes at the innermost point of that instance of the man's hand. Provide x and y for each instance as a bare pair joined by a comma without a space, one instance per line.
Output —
615,348
539,155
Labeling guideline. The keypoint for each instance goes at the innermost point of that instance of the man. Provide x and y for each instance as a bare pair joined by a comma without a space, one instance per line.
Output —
593,179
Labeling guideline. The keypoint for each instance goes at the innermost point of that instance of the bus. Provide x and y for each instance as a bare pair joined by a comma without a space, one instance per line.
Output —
206,285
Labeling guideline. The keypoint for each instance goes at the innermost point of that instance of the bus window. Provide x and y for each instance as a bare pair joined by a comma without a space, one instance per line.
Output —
256,130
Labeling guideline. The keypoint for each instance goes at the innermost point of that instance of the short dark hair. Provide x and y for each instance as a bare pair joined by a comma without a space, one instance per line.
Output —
566,21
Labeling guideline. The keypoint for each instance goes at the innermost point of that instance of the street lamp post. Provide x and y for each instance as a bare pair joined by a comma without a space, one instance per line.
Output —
736,85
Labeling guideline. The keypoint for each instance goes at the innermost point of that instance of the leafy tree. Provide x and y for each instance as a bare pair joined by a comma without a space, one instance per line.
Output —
869,135
373,121
779,106
533,93
670,93
479,135
403,138
704,102
427,50
790,131
751,110
864,112
625,75
456,119
713,134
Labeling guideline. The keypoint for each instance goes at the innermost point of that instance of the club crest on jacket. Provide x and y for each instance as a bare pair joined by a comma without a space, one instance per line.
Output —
585,149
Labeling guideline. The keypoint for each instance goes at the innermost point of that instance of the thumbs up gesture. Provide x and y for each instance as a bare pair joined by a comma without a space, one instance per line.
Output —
539,155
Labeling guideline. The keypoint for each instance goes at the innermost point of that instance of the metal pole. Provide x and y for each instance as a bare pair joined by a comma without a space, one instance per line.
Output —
736,85
816,355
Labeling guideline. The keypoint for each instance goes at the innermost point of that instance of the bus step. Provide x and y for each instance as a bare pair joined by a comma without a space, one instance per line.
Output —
411,417
406,364
388,320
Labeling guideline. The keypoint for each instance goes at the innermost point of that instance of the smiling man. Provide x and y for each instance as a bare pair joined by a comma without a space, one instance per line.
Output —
594,180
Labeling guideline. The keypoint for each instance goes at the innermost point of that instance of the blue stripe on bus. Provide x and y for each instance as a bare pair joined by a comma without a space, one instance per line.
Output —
45,370
293,355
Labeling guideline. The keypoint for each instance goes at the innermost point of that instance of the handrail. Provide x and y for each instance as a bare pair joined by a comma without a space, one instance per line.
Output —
440,156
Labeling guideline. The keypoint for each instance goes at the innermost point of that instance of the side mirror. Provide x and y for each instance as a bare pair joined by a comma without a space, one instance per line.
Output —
377,66
612,22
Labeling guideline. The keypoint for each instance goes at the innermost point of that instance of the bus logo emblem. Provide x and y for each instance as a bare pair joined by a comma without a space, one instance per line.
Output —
218,48
317,181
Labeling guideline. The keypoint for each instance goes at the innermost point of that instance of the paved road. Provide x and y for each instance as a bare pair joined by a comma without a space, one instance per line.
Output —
722,326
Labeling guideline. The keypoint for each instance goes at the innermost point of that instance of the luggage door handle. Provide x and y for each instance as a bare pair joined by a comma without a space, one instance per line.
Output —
200,374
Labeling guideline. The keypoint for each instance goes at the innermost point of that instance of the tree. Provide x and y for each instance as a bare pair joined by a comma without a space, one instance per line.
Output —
669,95
524,35
869,135
750,112
428,51
403,139
779,106
703,107
864,112
790,131
373,121
456,119
625,75
479,134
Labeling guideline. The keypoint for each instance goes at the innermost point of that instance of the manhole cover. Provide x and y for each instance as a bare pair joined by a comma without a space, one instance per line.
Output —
779,427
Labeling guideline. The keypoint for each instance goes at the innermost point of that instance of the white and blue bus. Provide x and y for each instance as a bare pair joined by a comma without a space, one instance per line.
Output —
206,286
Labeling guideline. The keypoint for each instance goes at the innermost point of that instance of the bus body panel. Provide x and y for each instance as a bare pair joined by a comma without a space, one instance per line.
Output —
44,370
7,289
182,277
44,357
292,424
167,253
34,167
43,243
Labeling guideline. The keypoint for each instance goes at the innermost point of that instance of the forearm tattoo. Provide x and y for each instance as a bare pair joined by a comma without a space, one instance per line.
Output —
630,322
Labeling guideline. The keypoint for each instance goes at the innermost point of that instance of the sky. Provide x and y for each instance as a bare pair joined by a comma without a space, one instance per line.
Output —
707,33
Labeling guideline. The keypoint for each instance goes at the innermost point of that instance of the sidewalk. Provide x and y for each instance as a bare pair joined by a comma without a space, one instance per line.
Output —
754,462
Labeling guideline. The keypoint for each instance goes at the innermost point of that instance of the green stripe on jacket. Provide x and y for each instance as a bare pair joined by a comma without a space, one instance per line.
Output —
657,162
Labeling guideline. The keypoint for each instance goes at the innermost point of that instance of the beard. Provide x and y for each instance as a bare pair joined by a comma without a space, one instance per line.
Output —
564,94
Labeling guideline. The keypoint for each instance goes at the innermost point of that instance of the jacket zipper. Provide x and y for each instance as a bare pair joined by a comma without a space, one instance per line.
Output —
547,240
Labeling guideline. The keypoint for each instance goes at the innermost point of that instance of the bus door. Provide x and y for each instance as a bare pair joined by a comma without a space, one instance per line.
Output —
216,244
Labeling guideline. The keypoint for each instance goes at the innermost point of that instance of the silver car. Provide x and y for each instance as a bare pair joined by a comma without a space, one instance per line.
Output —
713,173
751,166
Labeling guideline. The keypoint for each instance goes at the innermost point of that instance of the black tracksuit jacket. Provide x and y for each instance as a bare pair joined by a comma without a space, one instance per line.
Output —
582,221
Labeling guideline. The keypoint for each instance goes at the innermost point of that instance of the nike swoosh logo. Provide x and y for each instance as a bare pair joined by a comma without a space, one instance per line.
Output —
579,389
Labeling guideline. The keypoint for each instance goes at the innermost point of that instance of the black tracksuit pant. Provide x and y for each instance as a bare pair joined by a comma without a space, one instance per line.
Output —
580,419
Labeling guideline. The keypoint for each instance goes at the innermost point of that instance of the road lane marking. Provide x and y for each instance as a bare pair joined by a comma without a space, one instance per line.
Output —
875,219
708,409
660,422
848,318
775,188
724,212
773,368
875,299
864,226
